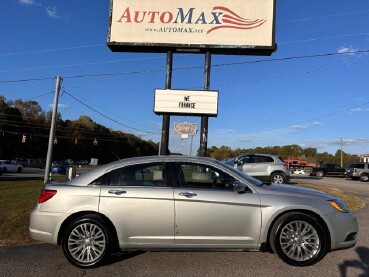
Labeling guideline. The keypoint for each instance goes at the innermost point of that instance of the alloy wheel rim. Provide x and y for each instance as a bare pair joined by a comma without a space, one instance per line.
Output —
86,243
278,179
299,241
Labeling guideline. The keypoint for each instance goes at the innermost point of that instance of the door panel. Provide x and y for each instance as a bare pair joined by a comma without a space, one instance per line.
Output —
143,217
138,199
209,214
217,219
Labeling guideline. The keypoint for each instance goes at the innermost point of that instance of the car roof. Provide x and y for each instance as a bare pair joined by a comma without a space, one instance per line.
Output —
92,174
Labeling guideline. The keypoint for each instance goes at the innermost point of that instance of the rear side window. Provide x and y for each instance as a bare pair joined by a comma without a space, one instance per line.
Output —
265,159
152,175
145,175
356,166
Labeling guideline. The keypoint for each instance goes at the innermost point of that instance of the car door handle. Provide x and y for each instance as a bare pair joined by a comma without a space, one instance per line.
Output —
117,191
188,194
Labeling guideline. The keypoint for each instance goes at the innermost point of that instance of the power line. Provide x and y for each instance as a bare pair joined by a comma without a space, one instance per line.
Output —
51,50
111,112
196,67
322,17
107,117
79,64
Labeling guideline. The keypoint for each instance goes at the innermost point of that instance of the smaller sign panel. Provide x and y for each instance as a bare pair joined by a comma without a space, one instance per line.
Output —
185,128
186,102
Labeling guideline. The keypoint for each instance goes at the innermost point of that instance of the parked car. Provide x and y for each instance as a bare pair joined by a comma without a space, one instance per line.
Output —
59,168
83,162
10,166
264,167
329,170
299,171
357,171
181,203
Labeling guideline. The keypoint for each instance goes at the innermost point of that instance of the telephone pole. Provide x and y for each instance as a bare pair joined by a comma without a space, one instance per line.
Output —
52,130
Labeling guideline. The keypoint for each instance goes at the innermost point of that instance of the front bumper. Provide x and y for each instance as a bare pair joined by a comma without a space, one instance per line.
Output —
344,230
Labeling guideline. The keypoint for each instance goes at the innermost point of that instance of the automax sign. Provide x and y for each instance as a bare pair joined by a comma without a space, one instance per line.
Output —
219,26
186,102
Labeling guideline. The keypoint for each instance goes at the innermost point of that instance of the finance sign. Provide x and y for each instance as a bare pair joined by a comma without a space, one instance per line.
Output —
185,128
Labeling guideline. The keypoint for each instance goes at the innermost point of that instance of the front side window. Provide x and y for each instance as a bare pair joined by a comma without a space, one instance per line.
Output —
248,159
204,177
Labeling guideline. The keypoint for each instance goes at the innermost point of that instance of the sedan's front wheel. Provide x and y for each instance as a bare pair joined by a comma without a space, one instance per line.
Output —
299,239
86,242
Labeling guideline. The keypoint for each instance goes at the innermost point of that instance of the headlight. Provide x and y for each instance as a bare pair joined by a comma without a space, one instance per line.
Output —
339,205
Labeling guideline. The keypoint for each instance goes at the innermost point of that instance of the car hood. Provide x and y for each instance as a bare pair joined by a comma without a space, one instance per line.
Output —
289,190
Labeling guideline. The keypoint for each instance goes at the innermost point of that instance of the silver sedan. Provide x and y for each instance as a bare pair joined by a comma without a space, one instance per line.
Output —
186,203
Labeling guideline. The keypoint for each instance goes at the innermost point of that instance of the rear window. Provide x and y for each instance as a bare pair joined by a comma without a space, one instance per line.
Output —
356,166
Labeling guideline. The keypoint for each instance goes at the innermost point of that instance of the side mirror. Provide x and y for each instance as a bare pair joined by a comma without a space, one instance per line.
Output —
239,187
238,162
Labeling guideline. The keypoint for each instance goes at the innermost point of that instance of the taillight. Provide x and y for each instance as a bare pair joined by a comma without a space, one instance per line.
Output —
46,194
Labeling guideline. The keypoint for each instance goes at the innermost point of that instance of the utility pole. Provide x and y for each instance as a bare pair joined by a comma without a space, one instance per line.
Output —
205,119
52,130
164,138
341,153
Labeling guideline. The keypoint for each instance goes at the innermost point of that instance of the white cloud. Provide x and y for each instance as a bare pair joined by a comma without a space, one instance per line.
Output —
59,105
298,126
29,2
343,50
317,123
52,12
356,110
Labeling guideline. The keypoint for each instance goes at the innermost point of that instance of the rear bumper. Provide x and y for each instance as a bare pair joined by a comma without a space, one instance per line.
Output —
44,226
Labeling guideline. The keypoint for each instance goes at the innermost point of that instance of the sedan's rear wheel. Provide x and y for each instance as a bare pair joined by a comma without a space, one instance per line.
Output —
364,177
299,239
86,242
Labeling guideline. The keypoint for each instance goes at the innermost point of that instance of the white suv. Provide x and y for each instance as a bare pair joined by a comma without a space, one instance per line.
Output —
264,167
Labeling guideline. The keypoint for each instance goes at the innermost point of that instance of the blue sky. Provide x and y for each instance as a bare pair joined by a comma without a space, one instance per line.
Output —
312,102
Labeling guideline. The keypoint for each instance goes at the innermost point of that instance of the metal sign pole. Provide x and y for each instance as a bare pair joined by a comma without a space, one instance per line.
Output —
205,119
164,141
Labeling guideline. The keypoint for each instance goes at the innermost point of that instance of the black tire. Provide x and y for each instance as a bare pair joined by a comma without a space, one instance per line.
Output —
19,169
364,177
86,242
306,246
278,178
5,170
320,174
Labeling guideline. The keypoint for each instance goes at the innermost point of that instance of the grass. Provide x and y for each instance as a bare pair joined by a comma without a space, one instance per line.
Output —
353,202
19,197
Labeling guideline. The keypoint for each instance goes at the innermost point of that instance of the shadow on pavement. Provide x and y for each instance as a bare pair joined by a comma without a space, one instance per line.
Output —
361,263
121,256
